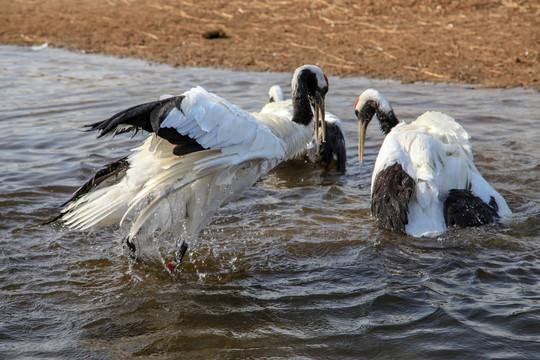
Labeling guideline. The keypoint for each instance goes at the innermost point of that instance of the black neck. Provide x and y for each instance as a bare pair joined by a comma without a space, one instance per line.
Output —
387,120
302,113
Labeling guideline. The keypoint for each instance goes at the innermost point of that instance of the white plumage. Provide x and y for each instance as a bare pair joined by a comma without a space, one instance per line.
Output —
434,150
203,151
333,146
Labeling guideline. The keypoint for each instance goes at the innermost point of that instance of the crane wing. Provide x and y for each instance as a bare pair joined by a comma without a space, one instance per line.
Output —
195,135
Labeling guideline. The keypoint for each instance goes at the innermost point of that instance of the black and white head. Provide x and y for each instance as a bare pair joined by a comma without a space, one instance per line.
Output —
275,94
371,103
309,82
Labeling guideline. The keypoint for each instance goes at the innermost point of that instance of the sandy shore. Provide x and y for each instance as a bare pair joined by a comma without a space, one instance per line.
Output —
490,43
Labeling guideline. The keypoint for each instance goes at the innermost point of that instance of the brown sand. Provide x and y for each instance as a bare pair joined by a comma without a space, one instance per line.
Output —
485,42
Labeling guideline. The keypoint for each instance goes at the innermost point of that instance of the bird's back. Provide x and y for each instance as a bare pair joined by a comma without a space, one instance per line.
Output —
435,151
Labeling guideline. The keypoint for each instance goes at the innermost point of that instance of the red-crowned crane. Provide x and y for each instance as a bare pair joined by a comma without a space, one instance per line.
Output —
202,152
331,148
424,177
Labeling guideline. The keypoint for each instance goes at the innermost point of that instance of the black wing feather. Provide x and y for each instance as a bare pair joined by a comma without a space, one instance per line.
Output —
334,145
464,209
113,172
390,199
147,117
109,174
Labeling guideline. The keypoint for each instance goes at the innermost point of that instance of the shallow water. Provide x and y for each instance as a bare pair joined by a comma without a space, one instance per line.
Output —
295,268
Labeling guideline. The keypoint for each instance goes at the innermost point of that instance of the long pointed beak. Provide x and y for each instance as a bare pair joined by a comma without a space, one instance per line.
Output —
323,123
316,108
320,124
362,129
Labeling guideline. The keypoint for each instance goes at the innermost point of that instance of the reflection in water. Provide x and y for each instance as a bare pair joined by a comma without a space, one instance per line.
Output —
295,268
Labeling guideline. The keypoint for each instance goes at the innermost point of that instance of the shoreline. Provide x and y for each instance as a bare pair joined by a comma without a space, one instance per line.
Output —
488,45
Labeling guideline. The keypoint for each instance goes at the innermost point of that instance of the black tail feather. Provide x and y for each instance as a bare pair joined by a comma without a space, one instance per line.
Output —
334,146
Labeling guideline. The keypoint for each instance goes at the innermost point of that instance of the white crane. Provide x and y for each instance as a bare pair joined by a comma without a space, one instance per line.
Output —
202,152
332,146
424,177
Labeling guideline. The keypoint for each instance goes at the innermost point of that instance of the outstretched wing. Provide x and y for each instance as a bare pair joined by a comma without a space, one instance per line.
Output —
194,121
196,135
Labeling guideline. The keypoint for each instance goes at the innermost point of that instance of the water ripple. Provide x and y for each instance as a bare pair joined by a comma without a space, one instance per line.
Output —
296,268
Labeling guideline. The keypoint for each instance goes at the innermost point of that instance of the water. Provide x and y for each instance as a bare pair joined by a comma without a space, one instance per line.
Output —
295,268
